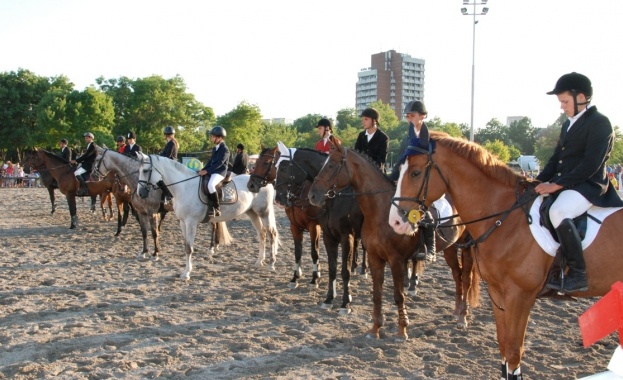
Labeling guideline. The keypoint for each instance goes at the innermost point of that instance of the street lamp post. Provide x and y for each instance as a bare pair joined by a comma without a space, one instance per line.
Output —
466,13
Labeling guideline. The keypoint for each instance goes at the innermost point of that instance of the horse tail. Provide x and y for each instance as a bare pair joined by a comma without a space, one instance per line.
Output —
473,298
223,235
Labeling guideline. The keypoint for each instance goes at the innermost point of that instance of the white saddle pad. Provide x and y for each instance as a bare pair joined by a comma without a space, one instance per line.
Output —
443,207
544,238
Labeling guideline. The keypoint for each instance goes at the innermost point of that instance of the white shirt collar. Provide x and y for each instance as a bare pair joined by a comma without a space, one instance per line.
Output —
575,118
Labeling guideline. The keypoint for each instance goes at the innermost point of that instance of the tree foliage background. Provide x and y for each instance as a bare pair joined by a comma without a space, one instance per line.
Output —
37,111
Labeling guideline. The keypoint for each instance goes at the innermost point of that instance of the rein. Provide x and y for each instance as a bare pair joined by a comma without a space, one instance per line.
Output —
147,184
264,179
101,162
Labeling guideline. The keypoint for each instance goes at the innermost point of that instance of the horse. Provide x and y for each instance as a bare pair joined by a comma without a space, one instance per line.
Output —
340,221
302,217
149,211
63,172
191,207
346,169
46,178
493,200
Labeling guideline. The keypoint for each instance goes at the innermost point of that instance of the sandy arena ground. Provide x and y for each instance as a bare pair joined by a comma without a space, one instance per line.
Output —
78,304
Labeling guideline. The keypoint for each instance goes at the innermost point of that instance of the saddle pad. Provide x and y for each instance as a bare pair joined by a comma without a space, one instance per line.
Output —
545,239
443,207
229,193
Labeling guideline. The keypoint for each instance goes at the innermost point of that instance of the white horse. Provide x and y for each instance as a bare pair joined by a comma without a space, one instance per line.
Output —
190,204
150,213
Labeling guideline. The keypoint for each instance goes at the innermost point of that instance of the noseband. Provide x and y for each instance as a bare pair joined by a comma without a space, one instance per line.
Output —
264,179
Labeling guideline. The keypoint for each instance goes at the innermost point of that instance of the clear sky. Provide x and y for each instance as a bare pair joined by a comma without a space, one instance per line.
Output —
292,57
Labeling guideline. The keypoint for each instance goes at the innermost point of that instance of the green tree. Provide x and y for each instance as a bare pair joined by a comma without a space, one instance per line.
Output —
522,135
546,140
272,133
243,125
616,156
387,117
493,131
147,105
20,93
347,117
498,149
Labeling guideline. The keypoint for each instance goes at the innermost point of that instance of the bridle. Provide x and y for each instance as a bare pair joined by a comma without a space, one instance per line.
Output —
263,180
291,192
331,182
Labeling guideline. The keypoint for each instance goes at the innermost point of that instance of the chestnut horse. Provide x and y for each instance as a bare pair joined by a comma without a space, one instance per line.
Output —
509,259
63,172
374,191
340,221
302,216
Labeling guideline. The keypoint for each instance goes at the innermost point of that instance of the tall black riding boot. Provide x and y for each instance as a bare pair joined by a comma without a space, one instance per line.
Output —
83,190
213,206
165,191
429,239
571,244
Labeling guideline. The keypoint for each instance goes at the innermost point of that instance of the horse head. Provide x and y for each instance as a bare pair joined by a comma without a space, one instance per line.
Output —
31,161
333,176
265,170
148,175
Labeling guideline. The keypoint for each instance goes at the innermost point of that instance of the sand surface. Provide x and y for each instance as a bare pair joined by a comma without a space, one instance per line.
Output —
78,304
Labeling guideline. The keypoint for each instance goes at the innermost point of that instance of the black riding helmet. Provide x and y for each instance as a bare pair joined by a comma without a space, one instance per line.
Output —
416,106
575,83
324,122
371,113
218,131
169,130
120,139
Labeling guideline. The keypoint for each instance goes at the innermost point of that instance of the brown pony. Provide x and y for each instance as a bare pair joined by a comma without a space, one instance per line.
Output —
489,193
373,191
62,171
302,216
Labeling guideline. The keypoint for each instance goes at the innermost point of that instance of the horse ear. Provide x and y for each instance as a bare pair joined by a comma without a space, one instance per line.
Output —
424,139
283,149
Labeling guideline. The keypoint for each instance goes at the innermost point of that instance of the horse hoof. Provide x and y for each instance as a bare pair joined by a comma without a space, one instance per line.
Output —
344,311
412,293
326,306
211,251
293,284
313,285
401,339
72,227
184,276
372,336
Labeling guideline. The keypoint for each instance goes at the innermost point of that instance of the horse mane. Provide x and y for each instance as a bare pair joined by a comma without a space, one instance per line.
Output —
373,164
490,165
175,163
54,156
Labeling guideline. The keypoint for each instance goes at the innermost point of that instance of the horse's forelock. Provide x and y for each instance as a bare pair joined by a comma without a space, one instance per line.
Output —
479,156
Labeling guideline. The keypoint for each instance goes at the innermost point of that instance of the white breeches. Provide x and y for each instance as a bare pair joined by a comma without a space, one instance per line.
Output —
568,205
79,171
215,179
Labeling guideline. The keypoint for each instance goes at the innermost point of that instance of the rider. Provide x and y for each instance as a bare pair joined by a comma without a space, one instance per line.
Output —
86,164
372,141
65,151
120,140
576,173
416,113
169,151
216,167
325,128
131,147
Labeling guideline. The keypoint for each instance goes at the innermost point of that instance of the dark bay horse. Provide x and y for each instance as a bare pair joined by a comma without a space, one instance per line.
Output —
340,220
303,217
44,175
63,172
346,168
509,259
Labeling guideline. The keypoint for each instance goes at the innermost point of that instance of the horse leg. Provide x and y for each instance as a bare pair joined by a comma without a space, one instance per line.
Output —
109,201
162,214
297,235
450,254
511,324
93,202
155,234
261,235
188,231
121,215
411,278
142,220
52,198
331,247
364,261
314,237
348,245
71,201
397,266
377,270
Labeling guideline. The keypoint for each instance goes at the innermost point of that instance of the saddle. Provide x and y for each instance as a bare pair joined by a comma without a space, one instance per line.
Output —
226,189
581,222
